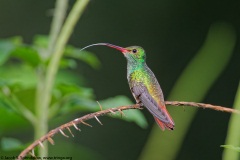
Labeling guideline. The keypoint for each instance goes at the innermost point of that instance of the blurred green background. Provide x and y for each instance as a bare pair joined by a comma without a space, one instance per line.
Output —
172,33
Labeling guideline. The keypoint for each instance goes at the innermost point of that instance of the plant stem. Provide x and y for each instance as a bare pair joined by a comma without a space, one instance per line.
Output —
24,110
42,109
233,136
17,106
58,19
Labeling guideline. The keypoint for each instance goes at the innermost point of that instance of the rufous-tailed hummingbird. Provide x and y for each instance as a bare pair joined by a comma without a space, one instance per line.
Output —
143,84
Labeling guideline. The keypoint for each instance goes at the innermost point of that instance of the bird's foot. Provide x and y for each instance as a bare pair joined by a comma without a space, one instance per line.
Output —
140,105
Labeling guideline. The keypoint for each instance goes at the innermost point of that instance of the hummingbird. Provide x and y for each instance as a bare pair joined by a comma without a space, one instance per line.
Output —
143,84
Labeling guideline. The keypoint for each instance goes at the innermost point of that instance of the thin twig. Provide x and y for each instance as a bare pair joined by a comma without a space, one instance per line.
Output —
202,105
100,106
82,120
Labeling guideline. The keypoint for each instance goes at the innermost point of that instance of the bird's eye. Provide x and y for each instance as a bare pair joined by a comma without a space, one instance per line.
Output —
134,51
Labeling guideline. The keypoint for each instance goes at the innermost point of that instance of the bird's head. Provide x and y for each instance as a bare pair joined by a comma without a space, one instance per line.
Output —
133,54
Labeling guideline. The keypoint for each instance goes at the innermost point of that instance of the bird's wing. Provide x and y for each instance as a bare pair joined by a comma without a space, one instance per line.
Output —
141,93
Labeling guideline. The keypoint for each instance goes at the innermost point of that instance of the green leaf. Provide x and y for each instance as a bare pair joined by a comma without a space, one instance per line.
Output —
41,41
3,83
6,46
82,104
231,147
10,121
5,101
64,76
19,76
4,104
131,115
9,144
16,40
6,87
65,89
27,54
70,97
84,56
77,103
68,63
14,102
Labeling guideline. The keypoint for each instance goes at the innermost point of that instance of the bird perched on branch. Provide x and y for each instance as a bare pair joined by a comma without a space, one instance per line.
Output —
143,84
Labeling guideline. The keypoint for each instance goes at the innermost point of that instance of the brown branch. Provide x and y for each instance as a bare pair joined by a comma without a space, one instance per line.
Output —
202,105
81,120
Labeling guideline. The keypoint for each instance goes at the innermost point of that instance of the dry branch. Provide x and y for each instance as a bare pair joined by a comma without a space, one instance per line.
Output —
81,120
202,105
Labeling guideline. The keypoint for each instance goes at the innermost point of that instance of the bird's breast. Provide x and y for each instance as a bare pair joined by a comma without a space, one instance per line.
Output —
147,79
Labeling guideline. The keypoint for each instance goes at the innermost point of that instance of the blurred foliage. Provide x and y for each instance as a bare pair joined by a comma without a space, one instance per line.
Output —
233,136
233,148
8,144
20,65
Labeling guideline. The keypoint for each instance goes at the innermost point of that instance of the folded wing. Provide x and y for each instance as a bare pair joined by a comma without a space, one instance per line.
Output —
159,112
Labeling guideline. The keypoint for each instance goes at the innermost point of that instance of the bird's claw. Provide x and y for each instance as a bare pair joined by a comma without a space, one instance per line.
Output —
140,105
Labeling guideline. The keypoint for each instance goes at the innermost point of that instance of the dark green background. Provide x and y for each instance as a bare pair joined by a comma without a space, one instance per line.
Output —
171,32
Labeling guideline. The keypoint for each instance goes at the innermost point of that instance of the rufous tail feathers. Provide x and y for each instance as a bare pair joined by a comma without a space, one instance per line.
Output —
163,125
